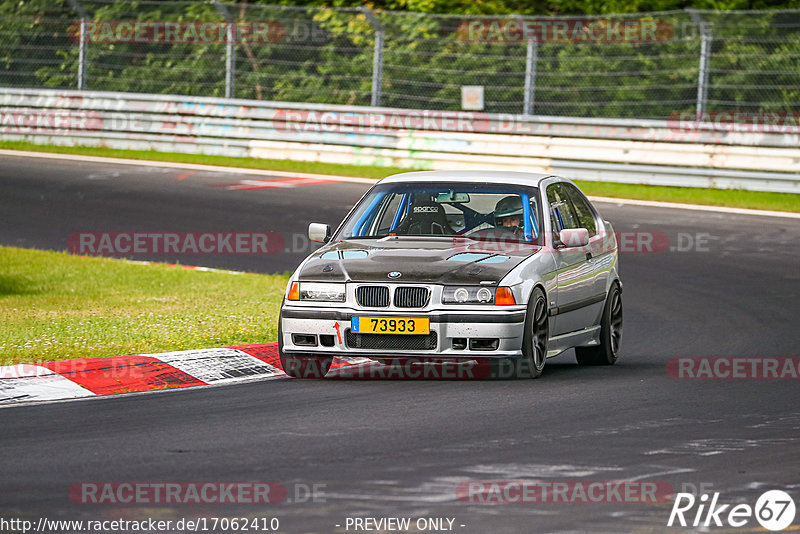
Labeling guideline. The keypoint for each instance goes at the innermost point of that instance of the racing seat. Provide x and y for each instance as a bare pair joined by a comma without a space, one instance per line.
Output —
426,218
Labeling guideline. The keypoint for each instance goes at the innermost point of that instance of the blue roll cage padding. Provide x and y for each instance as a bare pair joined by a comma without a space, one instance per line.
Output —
530,230
361,222
400,209
558,216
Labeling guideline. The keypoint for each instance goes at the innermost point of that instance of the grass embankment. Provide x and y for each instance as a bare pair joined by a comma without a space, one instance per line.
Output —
691,195
56,306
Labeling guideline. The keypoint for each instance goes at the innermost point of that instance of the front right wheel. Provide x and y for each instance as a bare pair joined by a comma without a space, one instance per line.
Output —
607,351
305,366
537,332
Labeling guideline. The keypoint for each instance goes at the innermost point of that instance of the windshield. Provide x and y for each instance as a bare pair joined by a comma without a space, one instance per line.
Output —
476,211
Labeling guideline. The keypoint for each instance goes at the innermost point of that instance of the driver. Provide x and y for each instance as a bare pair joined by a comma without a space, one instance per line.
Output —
508,214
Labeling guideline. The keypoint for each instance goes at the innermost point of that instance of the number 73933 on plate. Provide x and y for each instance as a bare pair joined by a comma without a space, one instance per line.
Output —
390,325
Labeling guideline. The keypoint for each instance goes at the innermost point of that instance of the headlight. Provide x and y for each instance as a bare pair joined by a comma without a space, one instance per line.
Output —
468,295
316,291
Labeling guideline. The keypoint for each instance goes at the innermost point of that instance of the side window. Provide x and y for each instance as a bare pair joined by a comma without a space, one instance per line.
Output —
561,213
583,211
569,209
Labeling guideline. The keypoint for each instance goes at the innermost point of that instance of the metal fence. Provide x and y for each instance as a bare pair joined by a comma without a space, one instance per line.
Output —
646,65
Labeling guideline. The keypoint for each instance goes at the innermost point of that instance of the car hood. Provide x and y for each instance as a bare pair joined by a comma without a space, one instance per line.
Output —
430,260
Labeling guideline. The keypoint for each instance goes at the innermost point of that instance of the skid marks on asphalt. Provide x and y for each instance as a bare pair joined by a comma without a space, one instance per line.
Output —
273,183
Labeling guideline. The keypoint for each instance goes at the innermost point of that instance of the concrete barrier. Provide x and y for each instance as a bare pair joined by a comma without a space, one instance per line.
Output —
627,151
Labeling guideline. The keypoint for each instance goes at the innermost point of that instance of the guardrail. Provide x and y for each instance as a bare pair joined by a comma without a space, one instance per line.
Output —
676,152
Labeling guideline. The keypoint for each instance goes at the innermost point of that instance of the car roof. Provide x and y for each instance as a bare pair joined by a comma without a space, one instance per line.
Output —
502,177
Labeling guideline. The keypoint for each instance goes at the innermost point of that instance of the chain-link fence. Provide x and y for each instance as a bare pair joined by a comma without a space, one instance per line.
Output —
646,65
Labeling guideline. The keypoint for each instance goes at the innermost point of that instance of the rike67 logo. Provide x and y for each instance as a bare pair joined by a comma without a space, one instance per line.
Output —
774,510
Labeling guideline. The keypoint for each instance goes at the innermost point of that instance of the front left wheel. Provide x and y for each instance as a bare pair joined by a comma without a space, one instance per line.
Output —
607,351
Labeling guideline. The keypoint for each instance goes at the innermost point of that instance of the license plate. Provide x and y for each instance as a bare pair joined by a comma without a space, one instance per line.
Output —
390,325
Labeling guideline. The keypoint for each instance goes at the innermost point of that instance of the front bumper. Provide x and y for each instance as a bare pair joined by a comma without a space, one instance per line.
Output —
448,327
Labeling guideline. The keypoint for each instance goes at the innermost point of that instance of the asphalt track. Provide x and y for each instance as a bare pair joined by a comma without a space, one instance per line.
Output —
401,448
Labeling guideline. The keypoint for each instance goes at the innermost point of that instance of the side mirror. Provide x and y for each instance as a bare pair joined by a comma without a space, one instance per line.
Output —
574,237
321,233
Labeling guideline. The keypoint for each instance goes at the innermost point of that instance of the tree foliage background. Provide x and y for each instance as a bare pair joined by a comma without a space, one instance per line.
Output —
326,55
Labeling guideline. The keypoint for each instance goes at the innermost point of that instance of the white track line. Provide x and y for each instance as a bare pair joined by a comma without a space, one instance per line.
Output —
188,166
695,207
181,266
260,172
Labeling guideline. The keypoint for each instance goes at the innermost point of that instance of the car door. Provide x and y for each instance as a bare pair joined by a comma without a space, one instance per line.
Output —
600,245
577,300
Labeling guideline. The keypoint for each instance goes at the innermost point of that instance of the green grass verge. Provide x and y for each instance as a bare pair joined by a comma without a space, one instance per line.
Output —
691,195
734,198
56,306
202,159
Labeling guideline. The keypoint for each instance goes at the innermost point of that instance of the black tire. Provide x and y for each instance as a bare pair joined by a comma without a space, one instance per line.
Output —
607,351
534,342
302,366
537,332
305,366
